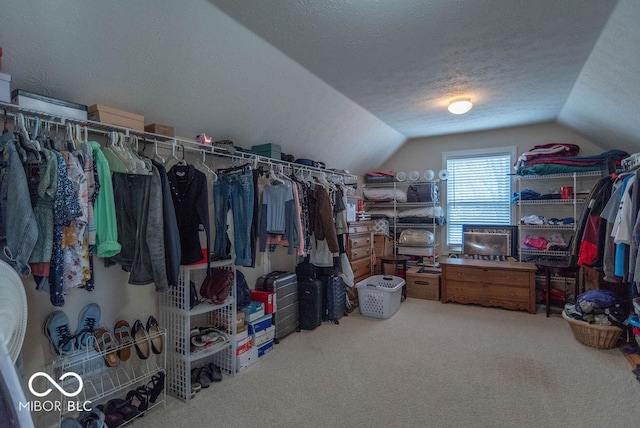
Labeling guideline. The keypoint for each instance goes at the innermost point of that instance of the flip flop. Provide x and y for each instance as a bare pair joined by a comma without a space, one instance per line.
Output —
122,335
106,344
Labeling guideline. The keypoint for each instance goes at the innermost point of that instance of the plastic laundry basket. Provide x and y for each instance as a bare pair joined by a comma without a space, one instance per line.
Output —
379,295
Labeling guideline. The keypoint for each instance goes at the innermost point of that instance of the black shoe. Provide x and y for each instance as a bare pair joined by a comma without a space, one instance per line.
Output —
195,380
214,372
203,377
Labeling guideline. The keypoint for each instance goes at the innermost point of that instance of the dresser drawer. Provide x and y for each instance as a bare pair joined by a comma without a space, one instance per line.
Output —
361,267
360,240
363,227
512,278
360,253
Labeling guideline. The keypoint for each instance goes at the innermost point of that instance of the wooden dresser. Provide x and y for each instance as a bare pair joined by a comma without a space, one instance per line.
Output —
360,249
510,285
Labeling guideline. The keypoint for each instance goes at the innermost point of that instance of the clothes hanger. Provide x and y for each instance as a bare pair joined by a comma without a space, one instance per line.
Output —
274,177
156,155
115,162
209,170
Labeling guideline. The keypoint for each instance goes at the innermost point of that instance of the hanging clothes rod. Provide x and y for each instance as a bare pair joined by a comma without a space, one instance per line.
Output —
193,146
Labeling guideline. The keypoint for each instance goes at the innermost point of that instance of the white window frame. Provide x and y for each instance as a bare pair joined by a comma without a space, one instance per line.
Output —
473,153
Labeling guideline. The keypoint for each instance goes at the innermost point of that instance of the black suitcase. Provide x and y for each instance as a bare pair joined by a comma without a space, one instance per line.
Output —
335,298
310,302
285,285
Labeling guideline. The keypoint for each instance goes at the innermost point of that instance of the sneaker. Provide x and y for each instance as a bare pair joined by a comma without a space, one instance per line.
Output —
57,330
88,321
195,380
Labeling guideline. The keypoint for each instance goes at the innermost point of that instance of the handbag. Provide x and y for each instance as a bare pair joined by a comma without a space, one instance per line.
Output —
216,285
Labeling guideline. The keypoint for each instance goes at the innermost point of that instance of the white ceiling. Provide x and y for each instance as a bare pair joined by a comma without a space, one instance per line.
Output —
342,81
404,60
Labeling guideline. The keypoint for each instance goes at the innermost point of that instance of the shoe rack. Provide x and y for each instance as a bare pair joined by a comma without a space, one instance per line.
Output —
101,382
180,320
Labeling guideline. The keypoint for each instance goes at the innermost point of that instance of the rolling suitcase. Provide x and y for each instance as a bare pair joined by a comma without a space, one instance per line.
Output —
285,285
310,302
335,298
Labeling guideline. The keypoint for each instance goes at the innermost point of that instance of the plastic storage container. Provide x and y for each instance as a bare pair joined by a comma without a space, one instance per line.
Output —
379,295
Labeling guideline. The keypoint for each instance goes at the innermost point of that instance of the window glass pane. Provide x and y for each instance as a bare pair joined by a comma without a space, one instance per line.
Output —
478,192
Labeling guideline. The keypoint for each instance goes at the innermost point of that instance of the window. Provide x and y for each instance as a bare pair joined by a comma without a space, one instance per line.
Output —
478,190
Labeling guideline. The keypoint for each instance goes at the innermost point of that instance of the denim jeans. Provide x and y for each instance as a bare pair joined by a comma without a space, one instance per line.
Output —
234,190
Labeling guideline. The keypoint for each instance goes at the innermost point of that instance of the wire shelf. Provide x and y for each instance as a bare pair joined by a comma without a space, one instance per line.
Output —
560,176
551,202
548,226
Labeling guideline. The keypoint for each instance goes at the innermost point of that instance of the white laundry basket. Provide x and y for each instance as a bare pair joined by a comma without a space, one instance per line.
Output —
379,295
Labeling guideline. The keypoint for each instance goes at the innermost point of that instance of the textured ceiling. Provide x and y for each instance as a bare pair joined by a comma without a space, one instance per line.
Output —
404,60
340,81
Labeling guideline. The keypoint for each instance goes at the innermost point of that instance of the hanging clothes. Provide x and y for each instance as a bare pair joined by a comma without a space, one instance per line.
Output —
18,228
172,249
234,190
106,239
138,201
191,203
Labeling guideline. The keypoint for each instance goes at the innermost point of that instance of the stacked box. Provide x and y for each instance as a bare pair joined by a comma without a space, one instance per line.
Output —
254,311
267,298
268,150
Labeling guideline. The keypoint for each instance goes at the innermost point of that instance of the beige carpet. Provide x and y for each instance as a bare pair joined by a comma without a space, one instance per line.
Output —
430,365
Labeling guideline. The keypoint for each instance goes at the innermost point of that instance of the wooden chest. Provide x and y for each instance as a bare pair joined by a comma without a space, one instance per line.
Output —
509,285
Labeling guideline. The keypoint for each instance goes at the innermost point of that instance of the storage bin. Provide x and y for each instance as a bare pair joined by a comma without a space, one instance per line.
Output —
113,116
269,150
247,359
44,104
379,295
5,88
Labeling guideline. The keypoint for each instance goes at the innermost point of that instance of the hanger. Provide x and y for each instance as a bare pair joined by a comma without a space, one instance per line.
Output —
274,177
5,127
157,156
209,170
182,162
115,162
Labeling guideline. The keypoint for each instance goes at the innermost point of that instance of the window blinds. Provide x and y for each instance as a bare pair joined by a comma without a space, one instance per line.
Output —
478,192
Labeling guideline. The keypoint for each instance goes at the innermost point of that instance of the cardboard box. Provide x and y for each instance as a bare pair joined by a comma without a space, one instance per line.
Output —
267,298
157,128
254,311
264,349
264,336
383,246
423,285
113,116
241,334
260,324
269,150
44,104
246,359
5,88
244,345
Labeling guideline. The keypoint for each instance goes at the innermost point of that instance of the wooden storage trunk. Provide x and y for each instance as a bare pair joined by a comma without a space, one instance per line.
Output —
423,285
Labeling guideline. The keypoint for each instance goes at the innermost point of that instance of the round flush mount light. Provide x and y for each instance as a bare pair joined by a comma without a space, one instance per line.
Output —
460,106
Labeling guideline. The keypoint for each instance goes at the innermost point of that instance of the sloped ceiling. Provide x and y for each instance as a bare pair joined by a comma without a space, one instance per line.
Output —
343,81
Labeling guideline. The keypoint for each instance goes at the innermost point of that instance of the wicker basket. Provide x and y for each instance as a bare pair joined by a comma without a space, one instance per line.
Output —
596,336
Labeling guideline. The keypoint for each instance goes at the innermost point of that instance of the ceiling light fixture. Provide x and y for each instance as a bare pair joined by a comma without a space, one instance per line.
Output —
460,106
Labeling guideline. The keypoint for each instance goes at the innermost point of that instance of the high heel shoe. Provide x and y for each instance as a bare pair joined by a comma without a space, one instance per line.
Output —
138,400
154,388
